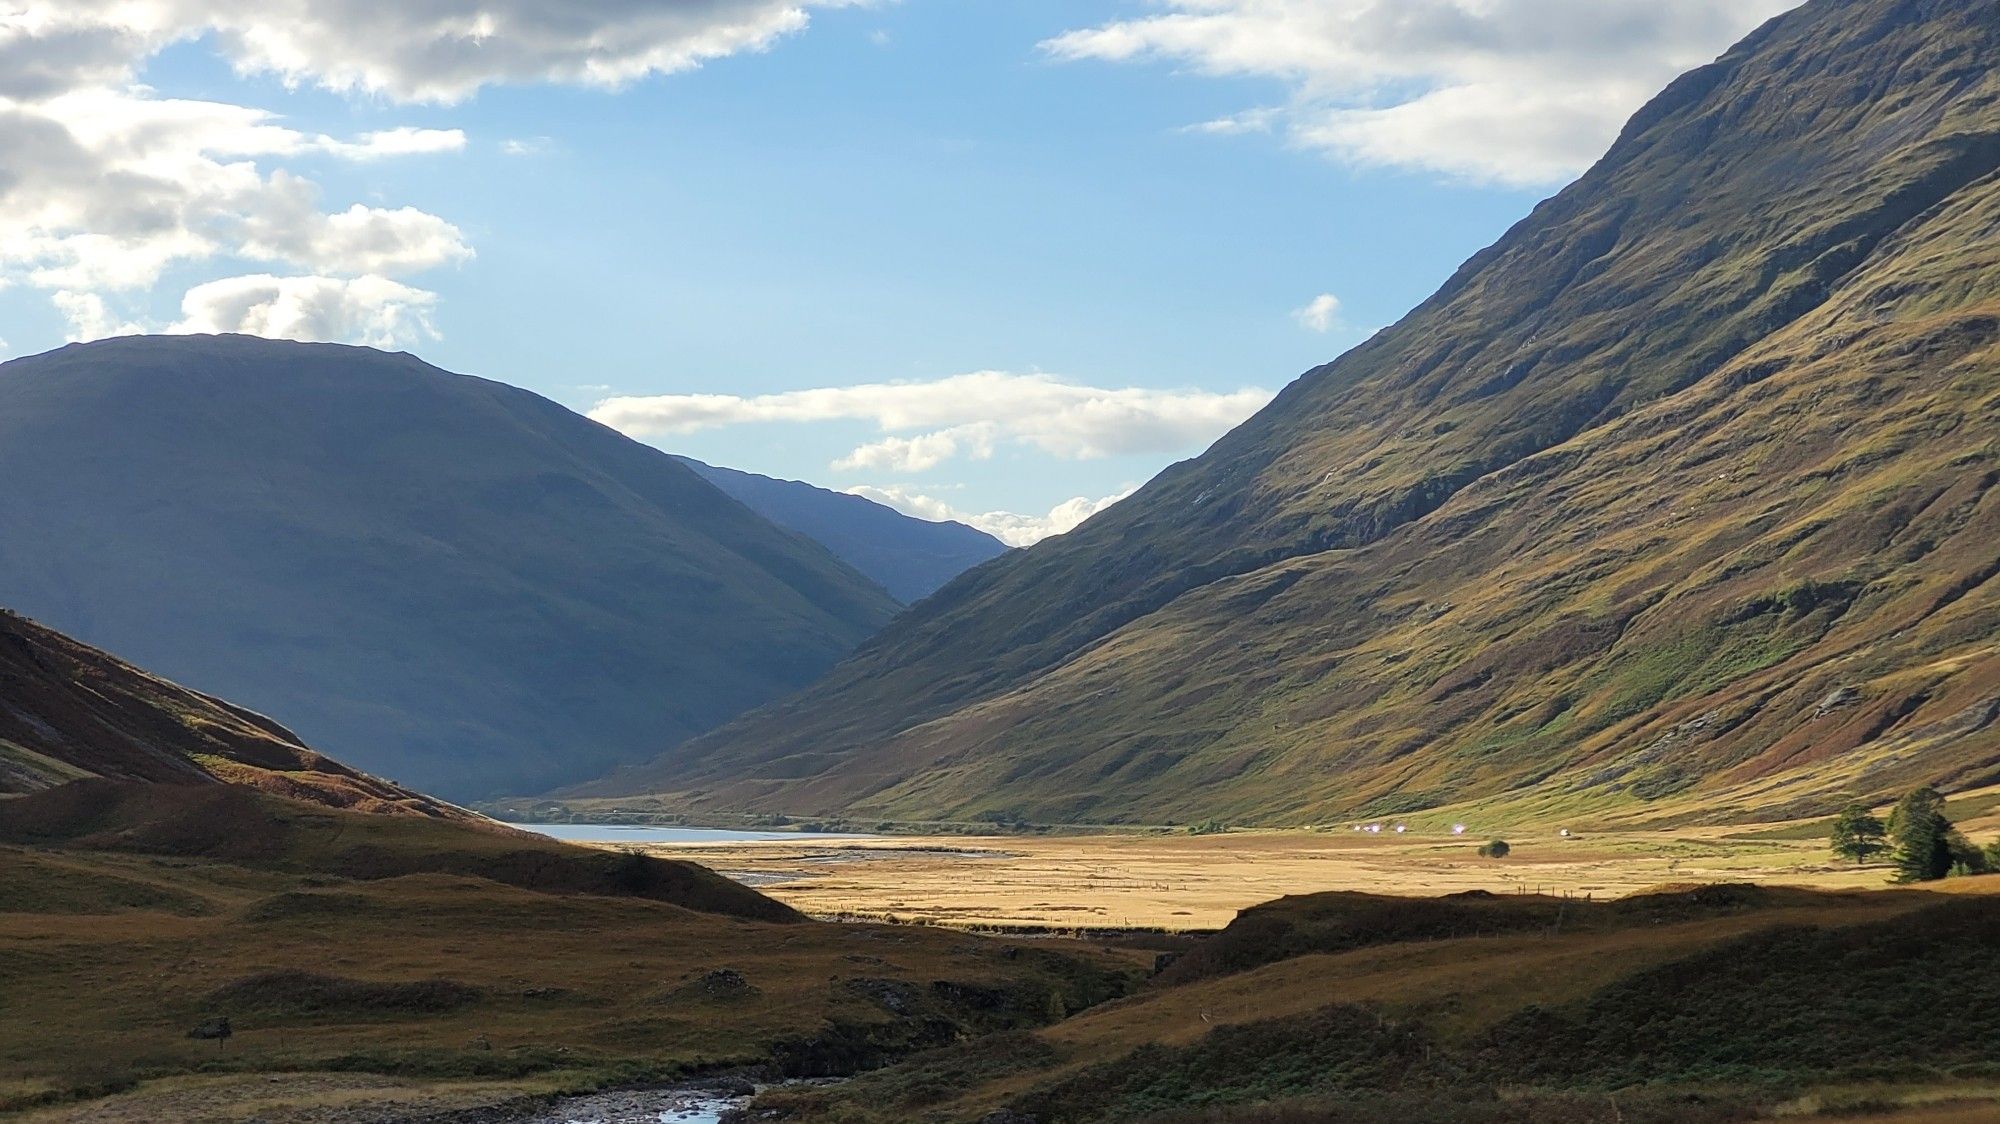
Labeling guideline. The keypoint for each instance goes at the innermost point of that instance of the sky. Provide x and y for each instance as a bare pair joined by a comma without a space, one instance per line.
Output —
1000,262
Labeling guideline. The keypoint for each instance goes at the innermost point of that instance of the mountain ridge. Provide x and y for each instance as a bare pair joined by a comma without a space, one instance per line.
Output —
69,712
436,577
910,557
1705,254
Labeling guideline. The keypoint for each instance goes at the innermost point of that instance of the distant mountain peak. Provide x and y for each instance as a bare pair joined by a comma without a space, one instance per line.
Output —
912,558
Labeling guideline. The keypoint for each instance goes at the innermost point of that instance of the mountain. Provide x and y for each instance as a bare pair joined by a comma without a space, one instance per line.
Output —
909,557
1677,503
69,712
434,577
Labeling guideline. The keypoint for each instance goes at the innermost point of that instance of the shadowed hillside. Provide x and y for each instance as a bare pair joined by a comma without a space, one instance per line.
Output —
907,556
438,578
234,824
1721,1003
70,712
1684,488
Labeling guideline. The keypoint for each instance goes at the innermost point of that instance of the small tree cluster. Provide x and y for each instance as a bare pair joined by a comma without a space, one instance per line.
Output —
1495,849
1926,845
1857,833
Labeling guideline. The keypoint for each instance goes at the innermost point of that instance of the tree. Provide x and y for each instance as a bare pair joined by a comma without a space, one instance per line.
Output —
1495,849
1966,857
1857,834
1993,856
1922,837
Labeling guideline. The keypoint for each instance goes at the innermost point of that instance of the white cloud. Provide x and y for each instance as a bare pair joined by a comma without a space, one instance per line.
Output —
1320,314
924,452
104,190
104,185
1258,120
366,310
1513,91
284,223
400,141
963,415
526,146
89,318
1009,527
420,50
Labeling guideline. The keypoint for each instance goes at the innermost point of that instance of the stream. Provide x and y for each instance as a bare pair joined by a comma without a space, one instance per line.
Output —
655,1106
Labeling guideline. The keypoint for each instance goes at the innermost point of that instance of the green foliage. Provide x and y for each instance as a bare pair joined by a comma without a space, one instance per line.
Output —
1922,837
1903,998
1909,995
1993,855
1208,827
1966,857
1495,849
1003,817
1857,833
1338,1048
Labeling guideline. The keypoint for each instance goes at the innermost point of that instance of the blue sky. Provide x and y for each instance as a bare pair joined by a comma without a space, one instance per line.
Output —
1122,213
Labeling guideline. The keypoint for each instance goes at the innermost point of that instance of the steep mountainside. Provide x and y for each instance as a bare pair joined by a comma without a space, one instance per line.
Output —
435,577
1684,489
907,556
69,712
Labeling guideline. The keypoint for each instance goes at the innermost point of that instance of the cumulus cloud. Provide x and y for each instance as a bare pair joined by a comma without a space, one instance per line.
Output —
1009,527
89,318
963,415
1320,314
924,452
104,185
1513,91
426,50
103,190
366,310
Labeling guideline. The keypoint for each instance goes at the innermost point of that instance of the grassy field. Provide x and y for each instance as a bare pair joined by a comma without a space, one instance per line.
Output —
1726,1003
380,967
357,982
1181,881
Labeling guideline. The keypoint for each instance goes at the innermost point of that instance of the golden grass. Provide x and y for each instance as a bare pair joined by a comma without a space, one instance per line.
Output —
571,988
1183,882
291,1096
1461,988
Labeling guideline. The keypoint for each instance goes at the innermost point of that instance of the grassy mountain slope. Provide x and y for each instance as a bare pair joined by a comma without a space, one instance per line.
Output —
69,712
435,577
238,825
909,557
1715,1004
1683,487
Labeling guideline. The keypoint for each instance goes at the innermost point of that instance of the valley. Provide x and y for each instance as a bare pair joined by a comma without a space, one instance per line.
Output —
1174,881
1576,703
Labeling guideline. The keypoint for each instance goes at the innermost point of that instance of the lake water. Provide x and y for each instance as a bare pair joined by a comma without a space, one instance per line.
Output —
624,833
